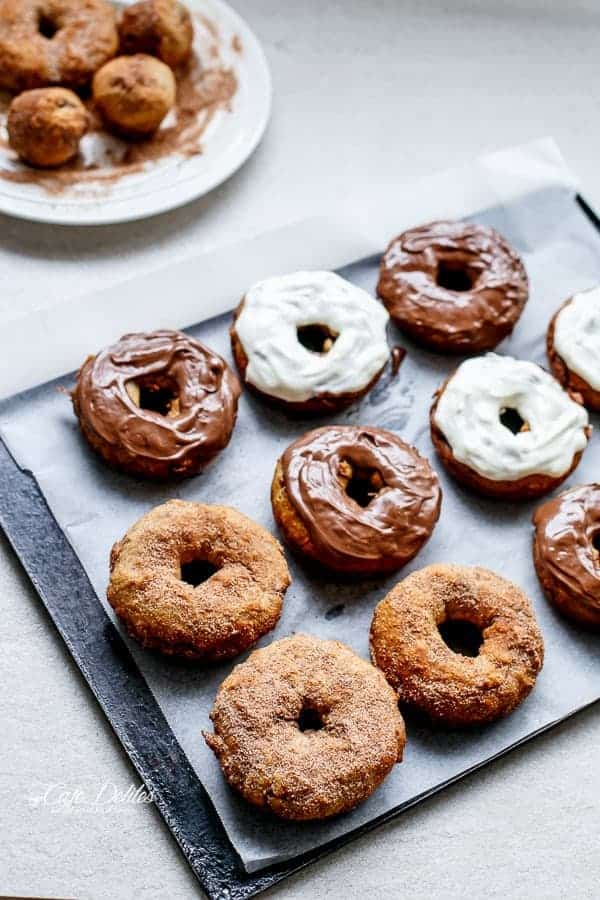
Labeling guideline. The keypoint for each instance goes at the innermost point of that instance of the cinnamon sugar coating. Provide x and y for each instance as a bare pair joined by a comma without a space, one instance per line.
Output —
451,688
46,125
134,94
355,733
54,42
221,616
162,28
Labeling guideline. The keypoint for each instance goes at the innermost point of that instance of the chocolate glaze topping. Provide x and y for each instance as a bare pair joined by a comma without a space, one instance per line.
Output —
453,284
404,497
567,531
196,389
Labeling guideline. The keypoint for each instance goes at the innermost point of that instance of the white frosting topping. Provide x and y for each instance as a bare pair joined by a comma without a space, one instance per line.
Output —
469,409
279,365
577,336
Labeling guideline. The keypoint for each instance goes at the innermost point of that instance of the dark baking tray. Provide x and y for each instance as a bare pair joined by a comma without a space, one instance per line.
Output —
112,674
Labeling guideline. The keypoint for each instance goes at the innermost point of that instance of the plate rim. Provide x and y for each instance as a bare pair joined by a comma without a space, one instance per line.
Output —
156,203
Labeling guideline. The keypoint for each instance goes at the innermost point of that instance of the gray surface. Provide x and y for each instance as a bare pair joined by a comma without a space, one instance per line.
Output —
435,86
561,251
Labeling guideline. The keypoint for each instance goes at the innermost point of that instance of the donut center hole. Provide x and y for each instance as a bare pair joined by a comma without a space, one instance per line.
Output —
47,27
310,719
156,394
361,485
317,338
596,541
454,277
461,637
513,420
197,571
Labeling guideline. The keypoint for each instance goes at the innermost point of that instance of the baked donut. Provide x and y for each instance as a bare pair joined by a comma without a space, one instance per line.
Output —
46,125
134,94
458,643
566,552
305,728
198,582
62,42
356,500
574,346
311,342
505,428
159,405
161,28
454,286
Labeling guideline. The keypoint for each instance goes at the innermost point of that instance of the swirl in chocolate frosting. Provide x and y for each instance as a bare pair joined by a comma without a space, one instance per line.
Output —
567,559
455,286
157,404
396,514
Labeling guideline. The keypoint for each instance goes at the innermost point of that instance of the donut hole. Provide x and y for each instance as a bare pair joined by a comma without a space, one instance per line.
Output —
317,338
361,484
155,393
596,541
310,719
197,571
461,637
513,420
454,277
47,26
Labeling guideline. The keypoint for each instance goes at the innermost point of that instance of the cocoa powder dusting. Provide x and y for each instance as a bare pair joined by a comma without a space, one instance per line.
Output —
201,93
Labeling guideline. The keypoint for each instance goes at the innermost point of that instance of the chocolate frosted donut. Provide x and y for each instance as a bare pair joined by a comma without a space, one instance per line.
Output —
60,42
158,405
454,286
459,643
306,729
566,552
357,500
573,344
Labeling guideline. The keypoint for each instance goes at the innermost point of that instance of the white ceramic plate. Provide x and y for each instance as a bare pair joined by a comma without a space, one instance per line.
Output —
174,180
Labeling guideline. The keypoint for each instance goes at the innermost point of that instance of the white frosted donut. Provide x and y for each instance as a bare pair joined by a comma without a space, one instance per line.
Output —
577,336
280,366
481,390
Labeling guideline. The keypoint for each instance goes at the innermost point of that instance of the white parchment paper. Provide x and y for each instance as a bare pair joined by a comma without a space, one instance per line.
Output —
95,506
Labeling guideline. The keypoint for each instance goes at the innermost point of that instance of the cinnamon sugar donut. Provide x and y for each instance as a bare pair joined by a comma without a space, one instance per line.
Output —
134,94
305,728
162,28
407,643
198,582
46,125
54,42
566,552
505,428
456,287
573,343
159,405
357,500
